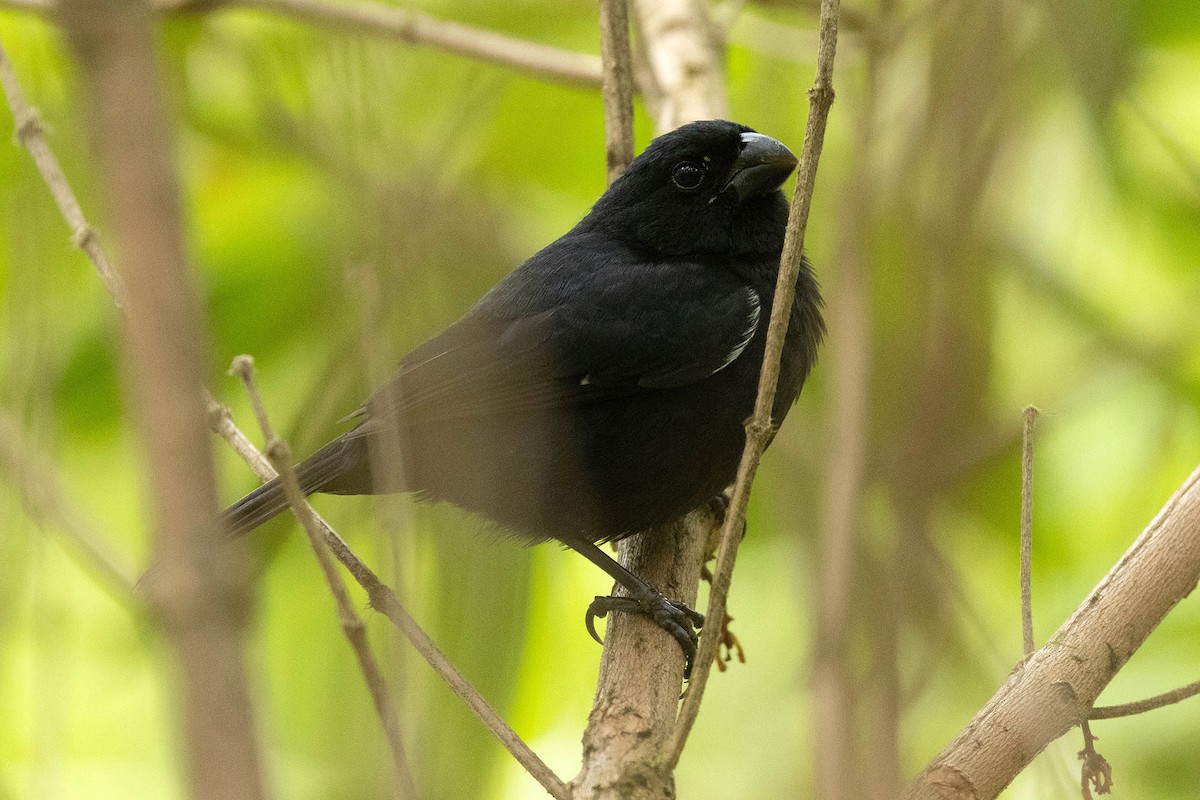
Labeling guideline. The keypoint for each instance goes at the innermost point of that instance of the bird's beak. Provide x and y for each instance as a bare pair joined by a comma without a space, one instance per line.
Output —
761,167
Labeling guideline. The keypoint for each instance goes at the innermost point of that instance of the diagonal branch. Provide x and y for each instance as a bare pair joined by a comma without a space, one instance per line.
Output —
758,427
1054,689
353,627
384,600
411,27
32,136
1149,704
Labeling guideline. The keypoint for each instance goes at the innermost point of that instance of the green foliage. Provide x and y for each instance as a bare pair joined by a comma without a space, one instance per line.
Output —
1022,186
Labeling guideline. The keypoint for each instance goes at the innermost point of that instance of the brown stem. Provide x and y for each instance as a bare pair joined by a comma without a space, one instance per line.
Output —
44,498
684,58
616,87
637,692
32,136
200,590
1149,704
1031,415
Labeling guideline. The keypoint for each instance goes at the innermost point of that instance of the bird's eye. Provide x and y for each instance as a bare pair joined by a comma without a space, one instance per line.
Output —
687,175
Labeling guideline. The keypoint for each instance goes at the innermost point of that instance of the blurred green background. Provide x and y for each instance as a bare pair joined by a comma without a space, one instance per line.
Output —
1011,188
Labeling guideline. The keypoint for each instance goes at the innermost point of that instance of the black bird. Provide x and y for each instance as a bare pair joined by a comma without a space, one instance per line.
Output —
600,389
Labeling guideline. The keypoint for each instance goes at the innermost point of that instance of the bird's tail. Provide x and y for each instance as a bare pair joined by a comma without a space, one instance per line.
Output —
323,470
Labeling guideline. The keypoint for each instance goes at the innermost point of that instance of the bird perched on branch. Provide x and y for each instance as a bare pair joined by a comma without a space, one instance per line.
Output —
600,389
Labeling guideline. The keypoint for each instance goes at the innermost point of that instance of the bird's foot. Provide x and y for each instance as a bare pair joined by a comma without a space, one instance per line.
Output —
674,618
718,505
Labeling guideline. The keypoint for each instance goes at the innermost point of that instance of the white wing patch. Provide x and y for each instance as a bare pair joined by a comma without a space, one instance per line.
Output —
747,333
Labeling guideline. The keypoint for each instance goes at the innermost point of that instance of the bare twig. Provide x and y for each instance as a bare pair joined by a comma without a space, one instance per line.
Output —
32,136
353,627
758,427
616,86
199,589
44,499
384,600
411,27
1053,689
1031,415
404,25
1149,704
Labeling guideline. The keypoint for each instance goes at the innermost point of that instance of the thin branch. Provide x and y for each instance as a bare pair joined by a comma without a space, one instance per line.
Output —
758,427
1054,689
836,774
411,27
1149,704
44,499
1031,415
637,689
616,86
384,600
353,627
32,136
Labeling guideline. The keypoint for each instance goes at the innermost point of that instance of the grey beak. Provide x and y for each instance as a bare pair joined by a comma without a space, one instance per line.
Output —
761,167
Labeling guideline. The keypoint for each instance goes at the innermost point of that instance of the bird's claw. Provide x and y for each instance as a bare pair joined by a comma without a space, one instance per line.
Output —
674,618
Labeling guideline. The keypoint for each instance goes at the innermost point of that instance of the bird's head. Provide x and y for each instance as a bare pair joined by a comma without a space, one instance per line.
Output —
707,187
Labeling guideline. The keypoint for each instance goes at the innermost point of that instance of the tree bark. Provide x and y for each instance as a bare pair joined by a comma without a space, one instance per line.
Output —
1055,688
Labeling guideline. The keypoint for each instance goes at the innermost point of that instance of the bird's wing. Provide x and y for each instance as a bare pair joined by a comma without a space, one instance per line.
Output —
656,329
644,328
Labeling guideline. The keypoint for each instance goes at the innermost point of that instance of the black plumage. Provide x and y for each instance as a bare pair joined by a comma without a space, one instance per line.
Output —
600,389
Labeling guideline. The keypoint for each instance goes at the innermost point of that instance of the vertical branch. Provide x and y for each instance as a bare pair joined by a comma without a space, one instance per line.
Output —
640,670
616,86
637,692
637,695
1031,415
849,348
835,770
199,593
758,427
